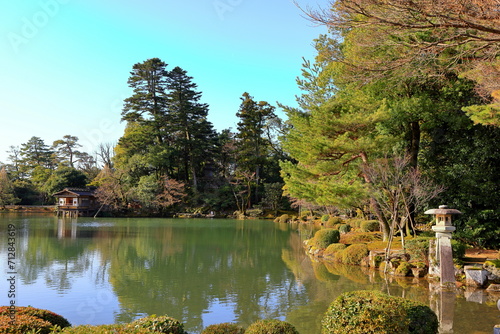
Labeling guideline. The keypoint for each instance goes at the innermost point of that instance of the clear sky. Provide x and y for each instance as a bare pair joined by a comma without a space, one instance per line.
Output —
64,64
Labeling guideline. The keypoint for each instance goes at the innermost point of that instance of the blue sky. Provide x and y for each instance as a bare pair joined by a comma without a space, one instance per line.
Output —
65,63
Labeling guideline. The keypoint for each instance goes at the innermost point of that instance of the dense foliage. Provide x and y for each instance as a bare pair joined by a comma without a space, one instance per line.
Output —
224,328
325,237
30,318
383,127
374,312
271,327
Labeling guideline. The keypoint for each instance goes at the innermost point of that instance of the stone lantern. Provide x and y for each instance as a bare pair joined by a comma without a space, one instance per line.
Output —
444,256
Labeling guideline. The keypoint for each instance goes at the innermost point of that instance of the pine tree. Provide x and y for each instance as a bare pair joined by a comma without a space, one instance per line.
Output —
251,145
148,104
35,153
192,134
66,148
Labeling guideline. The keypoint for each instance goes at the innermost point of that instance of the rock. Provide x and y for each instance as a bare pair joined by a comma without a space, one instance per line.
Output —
475,276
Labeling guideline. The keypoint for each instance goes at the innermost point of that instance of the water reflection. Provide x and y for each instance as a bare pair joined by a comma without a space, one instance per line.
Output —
201,272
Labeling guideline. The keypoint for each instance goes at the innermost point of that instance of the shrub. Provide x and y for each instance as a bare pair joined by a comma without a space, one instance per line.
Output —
24,324
344,228
354,254
418,249
325,237
162,324
458,248
224,328
355,222
370,226
332,221
105,329
271,327
422,320
356,238
24,314
362,312
325,218
403,269
333,248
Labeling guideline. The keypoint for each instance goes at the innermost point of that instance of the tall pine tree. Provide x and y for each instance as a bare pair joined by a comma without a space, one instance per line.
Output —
251,145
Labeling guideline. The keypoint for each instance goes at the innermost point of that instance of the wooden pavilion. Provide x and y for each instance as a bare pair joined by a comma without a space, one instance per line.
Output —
74,202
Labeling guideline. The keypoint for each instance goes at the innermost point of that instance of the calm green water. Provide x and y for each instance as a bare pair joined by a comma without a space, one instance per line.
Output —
100,271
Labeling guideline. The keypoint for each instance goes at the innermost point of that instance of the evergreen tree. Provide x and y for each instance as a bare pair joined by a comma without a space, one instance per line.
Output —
66,149
191,133
148,104
251,145
7,194
36,153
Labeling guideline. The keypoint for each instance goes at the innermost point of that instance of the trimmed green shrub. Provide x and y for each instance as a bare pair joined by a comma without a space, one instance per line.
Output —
161,324
325,237
333,248
355,222
372,312
24,324
344,228
271,327
224,328
370,226
332,221
27,316
354,254
105,329
422,320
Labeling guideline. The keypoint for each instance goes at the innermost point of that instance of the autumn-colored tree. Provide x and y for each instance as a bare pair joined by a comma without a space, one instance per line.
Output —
110,192
172,192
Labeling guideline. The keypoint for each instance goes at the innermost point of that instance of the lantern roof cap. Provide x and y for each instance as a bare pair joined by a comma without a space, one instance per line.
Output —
443,210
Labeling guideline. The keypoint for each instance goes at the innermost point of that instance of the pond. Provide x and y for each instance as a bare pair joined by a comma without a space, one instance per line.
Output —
199,271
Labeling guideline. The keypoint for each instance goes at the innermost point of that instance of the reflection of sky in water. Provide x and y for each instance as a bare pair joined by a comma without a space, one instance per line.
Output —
219,311
82,298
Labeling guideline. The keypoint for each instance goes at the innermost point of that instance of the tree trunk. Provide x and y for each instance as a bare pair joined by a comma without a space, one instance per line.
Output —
413,151
375,206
